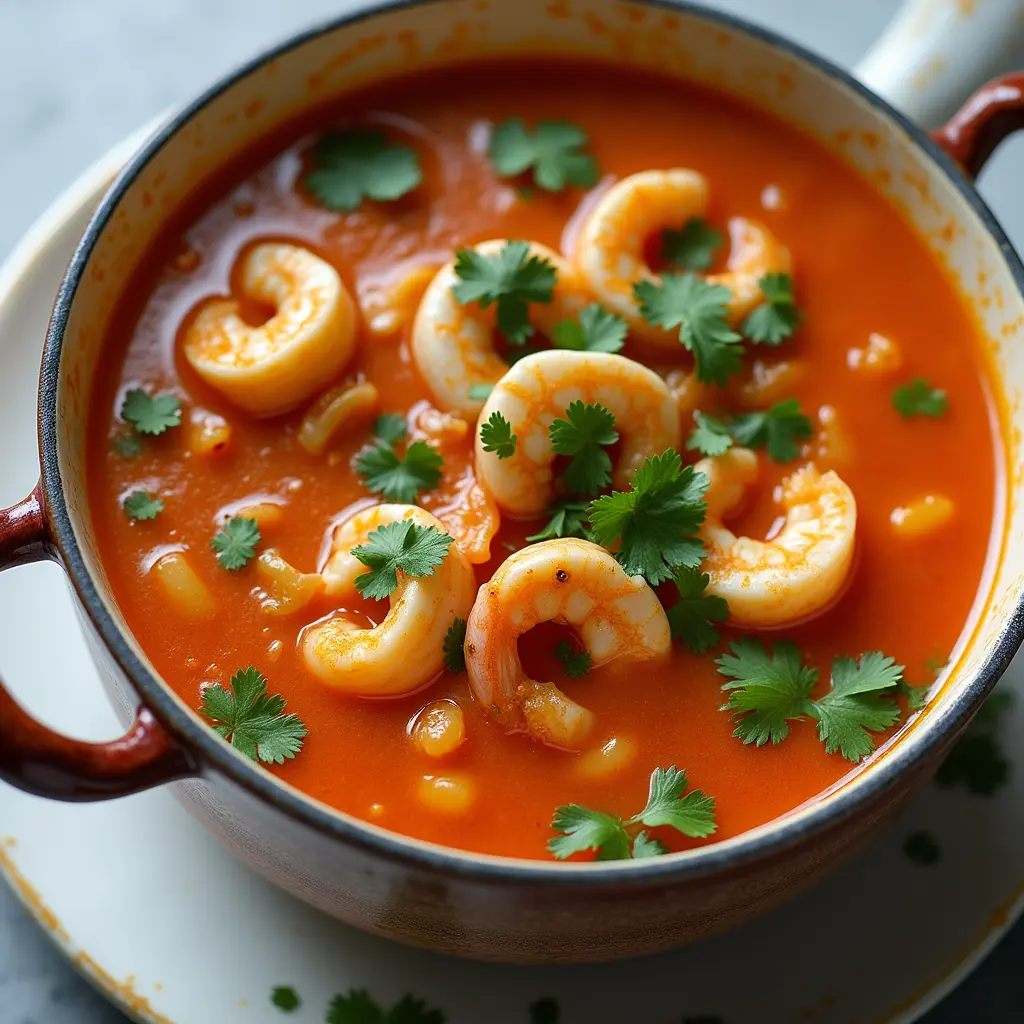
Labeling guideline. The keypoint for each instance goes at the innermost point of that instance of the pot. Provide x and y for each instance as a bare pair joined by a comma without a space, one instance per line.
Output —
486,906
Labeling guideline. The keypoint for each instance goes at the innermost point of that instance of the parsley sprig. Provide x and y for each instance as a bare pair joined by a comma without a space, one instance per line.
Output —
510,278
568,519
552,152
692,618
355,165
583,435
142,505
496,436
454,646
668,804
251,720
151,414
596,330
235,544
919,398
356,1007
777,317
405,547
693,247
575,663
779,429
398,477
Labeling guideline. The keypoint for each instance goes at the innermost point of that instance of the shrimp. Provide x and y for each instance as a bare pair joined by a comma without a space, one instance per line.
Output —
610,252
569,581
539,389
453,345
405,650
802,569
306,343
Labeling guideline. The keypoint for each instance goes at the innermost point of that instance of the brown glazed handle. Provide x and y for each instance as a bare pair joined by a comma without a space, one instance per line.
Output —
995,111
42,762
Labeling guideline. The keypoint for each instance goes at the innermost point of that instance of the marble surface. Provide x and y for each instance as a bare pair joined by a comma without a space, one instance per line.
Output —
75,77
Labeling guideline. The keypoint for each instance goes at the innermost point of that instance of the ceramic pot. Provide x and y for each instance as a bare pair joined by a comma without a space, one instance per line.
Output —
485,906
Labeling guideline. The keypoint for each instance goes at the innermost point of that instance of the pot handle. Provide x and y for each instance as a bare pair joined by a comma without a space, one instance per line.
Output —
44,763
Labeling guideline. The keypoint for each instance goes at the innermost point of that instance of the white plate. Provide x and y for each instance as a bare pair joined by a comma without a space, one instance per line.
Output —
173,929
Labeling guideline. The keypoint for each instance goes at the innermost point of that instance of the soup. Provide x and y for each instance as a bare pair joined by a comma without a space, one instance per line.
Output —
546,471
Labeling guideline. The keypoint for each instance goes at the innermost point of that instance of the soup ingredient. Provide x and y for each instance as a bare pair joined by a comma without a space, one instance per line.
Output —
921,848
583,436
596,330
879,358
572,582
614,757
919,398
803,568
235,544
285,589
186,593
358,1008
551,152
539,388
653,523
692,248
336,411
454,646
307,342
128,446
778,429
668,804
710,436
767,691
447,794
568,519
356,165
576,663
400,477
151,415
285,998
698,309
496,436
209,435
454,343
426,577
252,720
778,316
142,505
922,517
439,729
768,383
692,617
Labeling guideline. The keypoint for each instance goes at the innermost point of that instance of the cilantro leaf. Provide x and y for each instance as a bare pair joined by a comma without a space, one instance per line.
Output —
512,278
551,151
693,615
251,720
767,691
128,446
480,392
285,998
355,165
396,477
645,846
710,436
583,434
151,415
403,546
584,829
597,331
692,248
142,505
919,398
496,436
576,663
390,427
356,1007
699,310
858,704
780,428
655,520
236,543
454,646
568,519
692,814
917,696
778,316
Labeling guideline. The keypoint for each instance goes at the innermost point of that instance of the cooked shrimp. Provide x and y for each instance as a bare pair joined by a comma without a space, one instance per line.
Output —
568,581
539,389
802,568
610,252
404,651
300,349
453,345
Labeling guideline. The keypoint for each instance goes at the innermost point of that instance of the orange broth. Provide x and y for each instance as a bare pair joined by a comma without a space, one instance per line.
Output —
858,269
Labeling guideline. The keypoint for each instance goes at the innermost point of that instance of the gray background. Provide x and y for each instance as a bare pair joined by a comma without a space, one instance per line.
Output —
77,75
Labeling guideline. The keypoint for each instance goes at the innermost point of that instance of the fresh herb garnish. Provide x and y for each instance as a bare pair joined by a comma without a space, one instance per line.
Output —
551,151
778,316
142,505
779,429
151,415
921,848
403,546
699,310
575,663
569,519
512,279
693,616
692,814
285,998
692,248
496,436
358,1008
356,165
236,543
596,331
251,720
396,477
454,646
390,427
710,436
919,398
583,435
655,521
128,446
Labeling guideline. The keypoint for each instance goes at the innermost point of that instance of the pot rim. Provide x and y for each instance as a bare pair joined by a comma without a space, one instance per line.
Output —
209,749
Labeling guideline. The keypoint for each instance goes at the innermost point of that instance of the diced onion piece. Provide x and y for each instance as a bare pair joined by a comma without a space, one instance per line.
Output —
922,517
833,444
439,729
615,756
187,593
267,514
209,435
340,408
440,427
388,309
285,589
447,794
769,383
881,357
